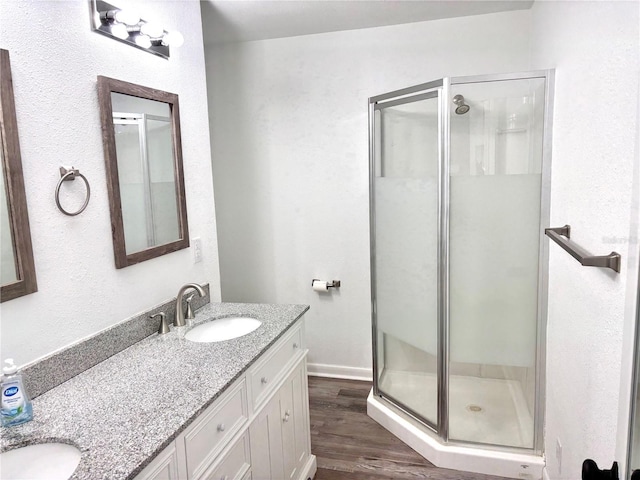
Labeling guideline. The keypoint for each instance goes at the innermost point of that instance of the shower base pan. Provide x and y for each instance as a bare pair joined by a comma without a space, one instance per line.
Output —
456,457
481,410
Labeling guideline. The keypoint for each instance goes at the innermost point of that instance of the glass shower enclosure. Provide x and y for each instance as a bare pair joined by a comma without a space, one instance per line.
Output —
459,195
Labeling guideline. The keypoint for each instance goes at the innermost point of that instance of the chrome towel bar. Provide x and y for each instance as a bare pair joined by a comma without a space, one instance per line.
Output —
562,235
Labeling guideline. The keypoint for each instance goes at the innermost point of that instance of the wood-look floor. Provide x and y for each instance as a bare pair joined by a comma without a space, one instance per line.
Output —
351,446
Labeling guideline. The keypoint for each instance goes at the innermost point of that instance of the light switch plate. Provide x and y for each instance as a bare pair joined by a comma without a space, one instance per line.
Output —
197,249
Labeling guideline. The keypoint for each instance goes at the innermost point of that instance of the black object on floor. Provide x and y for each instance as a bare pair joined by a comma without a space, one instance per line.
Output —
590,471
635,475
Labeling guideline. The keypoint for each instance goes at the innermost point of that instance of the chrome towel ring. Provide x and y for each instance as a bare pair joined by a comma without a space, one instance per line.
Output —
67,175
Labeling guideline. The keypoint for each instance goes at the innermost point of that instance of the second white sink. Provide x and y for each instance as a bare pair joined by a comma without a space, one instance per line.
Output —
45,461
223,329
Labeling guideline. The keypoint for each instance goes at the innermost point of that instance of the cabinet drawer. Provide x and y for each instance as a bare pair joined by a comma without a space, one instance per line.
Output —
206,439
265,375
235,463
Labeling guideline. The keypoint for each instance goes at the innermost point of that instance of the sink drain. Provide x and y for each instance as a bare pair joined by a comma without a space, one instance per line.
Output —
475,408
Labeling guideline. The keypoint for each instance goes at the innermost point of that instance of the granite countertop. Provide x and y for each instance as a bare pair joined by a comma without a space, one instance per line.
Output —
124,411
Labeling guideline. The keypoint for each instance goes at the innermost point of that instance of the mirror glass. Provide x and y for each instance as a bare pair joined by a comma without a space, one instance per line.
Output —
8,273
141,133
145,172
17,268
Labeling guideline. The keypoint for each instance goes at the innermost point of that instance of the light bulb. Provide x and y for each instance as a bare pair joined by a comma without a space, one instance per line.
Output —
119,30
152,29
143,41
128,17
173,39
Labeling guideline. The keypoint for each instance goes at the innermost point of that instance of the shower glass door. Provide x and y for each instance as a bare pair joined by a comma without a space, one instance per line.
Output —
495,182
405,191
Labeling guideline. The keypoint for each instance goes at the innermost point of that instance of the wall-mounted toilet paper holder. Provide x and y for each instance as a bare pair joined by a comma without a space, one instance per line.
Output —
332,284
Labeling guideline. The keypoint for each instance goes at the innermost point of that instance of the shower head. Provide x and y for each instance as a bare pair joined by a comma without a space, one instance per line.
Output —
462,107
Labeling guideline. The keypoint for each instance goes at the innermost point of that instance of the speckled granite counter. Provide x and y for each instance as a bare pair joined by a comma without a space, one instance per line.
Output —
127,409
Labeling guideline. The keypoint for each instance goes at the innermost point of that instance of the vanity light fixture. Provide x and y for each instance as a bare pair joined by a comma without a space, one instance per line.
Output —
152,30
120,30
128,17
143,41
125,25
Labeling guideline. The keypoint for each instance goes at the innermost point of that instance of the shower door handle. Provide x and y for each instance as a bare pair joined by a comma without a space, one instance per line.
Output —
562,236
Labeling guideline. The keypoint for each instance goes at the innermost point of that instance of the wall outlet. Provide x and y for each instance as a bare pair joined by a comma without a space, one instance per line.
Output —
559,455
197,249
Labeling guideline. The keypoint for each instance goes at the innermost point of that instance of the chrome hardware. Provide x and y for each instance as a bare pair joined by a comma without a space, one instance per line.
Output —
164,325
264,380
67,175
287,414
221,427
295,345
189,315
179,321
556,234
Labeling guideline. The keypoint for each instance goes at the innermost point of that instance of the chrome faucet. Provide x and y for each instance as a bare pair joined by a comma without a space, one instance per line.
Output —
179,321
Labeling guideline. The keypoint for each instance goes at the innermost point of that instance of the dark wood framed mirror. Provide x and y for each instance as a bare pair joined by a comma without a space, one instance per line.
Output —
18,271
145,180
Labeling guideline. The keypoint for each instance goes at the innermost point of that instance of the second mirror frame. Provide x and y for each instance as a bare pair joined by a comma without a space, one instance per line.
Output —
107,86
16,198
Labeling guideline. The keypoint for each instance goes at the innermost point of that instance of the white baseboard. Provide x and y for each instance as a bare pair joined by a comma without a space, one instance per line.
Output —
339,371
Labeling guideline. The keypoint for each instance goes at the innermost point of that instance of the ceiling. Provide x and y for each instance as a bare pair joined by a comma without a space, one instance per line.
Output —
227,21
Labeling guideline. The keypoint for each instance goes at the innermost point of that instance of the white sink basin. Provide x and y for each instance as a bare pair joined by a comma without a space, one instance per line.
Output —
222,329
46,461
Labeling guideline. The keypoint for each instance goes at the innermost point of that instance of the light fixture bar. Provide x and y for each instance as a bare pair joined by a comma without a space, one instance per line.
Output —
127,27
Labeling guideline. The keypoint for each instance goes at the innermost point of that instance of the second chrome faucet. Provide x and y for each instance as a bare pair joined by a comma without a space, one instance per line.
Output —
179,321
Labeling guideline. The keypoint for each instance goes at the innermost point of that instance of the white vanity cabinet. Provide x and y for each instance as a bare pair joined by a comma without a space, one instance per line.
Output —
258,429
280,437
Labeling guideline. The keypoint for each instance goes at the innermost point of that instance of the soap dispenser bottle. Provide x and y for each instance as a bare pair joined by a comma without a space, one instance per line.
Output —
16,405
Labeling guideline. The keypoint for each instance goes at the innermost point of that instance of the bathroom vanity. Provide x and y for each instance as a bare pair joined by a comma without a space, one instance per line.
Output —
258,428
170,408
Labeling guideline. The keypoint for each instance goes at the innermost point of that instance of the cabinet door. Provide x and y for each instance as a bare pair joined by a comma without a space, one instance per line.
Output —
280,441
300,391
295,426
266,443
288,430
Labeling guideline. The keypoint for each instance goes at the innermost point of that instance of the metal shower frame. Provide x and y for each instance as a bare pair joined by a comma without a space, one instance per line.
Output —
442,88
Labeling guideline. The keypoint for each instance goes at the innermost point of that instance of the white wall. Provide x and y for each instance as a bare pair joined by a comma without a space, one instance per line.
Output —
55,59
594,48
290,159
